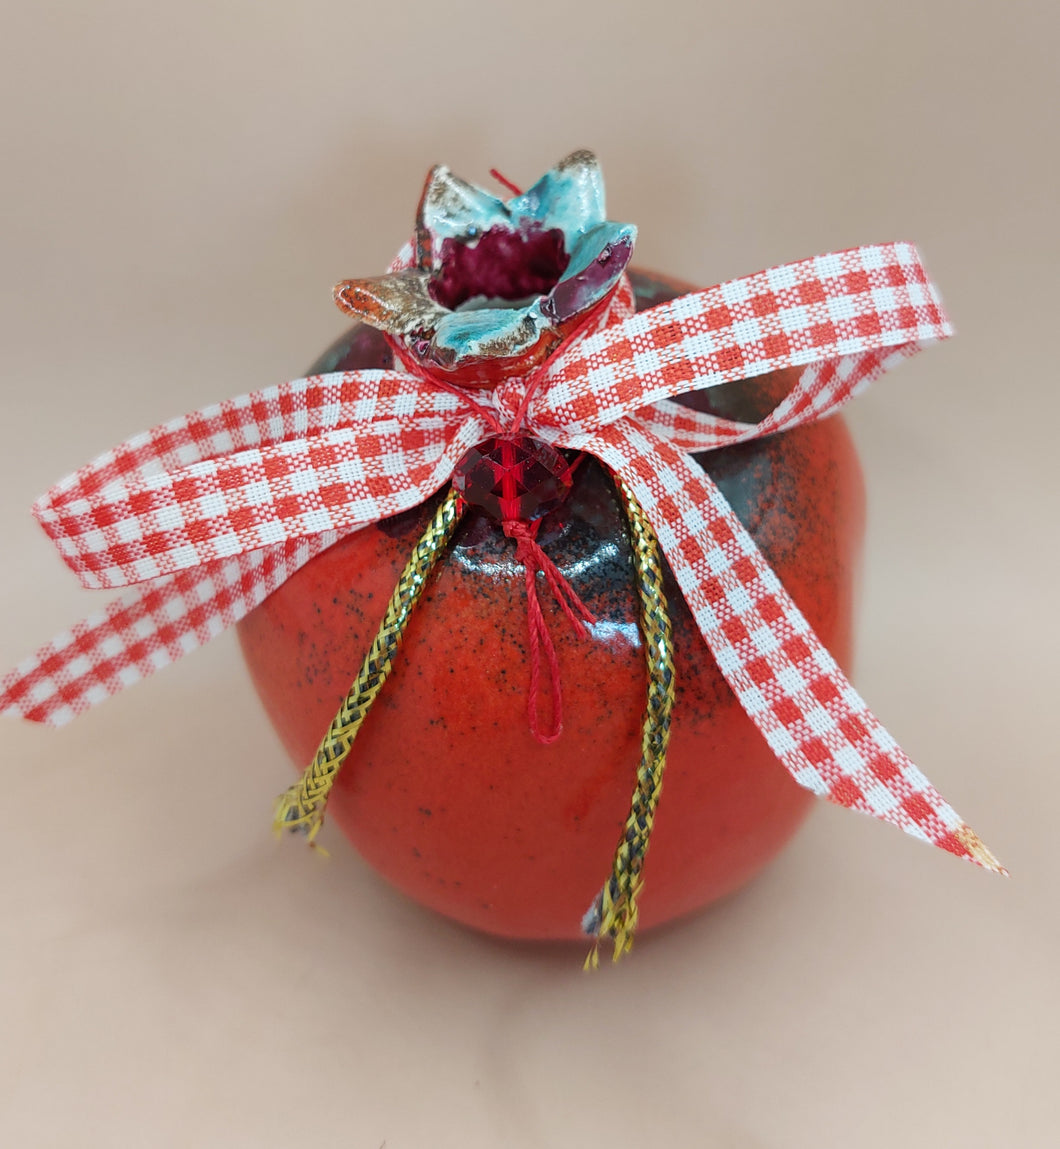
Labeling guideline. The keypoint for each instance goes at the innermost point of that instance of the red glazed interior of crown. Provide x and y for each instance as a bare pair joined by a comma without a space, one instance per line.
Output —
503,265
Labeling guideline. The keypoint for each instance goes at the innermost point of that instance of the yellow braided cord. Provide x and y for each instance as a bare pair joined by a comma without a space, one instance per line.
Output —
614,913
301,808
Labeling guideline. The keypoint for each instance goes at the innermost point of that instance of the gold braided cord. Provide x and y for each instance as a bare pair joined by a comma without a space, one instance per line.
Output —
614,913
301,808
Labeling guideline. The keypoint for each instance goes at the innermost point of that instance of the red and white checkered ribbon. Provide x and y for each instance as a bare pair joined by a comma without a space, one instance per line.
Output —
206,515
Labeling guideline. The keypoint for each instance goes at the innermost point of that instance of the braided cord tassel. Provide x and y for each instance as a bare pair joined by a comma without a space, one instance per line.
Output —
301,807
614,913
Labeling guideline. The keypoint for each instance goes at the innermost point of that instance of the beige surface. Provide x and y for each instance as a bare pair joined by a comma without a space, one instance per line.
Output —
182,183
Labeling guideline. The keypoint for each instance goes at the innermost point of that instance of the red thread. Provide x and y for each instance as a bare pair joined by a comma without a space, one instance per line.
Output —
505,182
534,379
461,393
418,371
529,553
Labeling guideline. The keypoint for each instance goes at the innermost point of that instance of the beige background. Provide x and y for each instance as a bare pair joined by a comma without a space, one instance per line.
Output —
181,185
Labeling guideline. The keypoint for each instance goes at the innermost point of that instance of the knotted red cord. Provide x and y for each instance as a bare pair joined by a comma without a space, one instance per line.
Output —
529,553
533,559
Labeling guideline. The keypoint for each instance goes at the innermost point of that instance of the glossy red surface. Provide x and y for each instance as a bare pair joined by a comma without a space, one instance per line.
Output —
446,792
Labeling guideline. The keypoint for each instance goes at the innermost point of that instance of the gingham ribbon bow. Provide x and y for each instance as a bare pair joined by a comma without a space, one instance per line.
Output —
209,513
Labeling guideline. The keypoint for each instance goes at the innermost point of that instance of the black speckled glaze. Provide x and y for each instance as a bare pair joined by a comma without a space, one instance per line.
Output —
519,835
587,537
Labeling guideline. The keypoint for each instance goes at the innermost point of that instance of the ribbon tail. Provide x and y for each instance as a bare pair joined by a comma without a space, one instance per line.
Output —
786,681
146,629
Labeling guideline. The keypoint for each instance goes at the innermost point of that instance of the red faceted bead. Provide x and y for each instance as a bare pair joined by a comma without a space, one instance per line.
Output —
513,477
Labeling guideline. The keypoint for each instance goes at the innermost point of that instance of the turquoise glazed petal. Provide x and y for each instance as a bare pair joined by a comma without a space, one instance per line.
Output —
570,197
499,285
452,208
487,332
589,247
596,265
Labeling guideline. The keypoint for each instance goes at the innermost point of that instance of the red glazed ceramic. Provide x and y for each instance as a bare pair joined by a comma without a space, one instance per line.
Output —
446,792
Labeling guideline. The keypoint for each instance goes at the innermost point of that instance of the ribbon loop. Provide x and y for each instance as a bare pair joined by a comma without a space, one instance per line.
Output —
131,517
829,307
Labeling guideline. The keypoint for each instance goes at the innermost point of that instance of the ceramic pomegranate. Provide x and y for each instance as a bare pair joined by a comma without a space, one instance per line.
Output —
447,792
447,553
447,556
